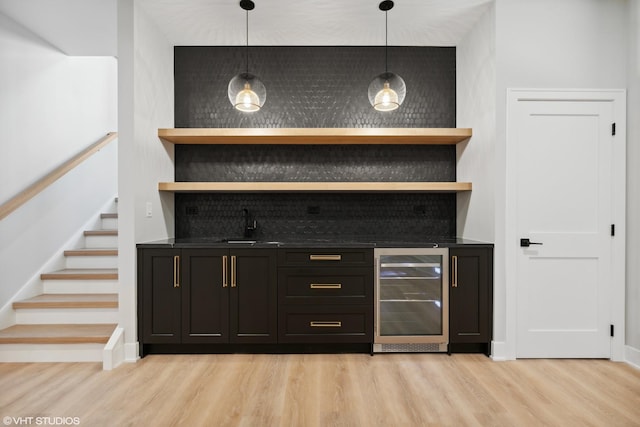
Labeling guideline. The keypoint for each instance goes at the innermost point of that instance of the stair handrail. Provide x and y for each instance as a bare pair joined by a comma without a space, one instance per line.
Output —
27,194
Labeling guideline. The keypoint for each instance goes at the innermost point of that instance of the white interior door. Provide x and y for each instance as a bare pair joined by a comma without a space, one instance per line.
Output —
563,194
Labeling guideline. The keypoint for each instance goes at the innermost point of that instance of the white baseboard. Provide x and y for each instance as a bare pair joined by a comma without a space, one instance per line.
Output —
632,356
22,353
131,352
498,352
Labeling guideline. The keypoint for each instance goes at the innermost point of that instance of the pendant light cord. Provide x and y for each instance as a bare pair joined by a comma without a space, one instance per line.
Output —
386,43
247,39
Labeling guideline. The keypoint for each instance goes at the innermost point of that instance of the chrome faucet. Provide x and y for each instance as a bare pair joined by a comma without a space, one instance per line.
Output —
250,225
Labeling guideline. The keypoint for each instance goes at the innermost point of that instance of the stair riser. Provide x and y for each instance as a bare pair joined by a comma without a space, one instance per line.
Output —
92,262
80,286
35,316
109,223
102,242
17,353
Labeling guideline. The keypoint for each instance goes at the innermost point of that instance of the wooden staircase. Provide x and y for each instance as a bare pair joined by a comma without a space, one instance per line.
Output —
75,316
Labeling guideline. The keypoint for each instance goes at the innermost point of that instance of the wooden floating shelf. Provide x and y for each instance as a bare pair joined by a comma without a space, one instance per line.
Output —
300,187
327,136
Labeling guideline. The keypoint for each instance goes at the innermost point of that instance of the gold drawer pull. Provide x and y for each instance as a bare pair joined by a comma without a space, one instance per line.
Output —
325,257
325,324
325,285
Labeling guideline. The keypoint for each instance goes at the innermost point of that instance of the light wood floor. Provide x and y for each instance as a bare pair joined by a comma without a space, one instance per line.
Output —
327,390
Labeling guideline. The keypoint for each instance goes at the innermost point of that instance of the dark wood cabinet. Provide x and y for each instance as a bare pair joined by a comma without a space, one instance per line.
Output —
158,296
204,296
243,299
470,299
325,296
253,296
207,296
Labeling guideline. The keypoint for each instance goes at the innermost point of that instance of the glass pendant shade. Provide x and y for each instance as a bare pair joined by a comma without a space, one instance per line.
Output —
387,92
246,92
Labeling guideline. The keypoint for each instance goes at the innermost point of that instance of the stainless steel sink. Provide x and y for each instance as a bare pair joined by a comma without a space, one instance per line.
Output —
248,242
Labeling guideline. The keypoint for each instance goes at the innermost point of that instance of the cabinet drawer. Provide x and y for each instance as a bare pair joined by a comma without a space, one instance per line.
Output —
325,257
325,286
301,324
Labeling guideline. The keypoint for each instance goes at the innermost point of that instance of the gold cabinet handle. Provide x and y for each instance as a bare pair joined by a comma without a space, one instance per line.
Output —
325,285
325,257
233,271
224,271
454,278
176,271
325,324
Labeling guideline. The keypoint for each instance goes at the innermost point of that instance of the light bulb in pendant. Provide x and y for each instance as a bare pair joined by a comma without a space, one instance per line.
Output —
386,99
247,100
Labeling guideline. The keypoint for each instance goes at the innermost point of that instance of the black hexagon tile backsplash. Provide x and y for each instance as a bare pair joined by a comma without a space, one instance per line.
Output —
315,87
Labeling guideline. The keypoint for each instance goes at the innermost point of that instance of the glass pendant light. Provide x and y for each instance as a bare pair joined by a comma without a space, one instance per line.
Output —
246,92
387,90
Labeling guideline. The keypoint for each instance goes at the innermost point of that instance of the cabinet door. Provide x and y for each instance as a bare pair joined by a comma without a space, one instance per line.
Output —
205,296
253,303
159,310
470,295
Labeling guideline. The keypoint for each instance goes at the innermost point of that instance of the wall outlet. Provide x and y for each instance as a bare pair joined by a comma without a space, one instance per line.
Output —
149,210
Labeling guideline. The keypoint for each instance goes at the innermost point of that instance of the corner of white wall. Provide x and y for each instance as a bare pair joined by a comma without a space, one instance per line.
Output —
632,356
632,338
145,65
475,108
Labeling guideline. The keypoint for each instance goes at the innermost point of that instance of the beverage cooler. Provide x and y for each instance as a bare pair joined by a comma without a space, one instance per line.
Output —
412,300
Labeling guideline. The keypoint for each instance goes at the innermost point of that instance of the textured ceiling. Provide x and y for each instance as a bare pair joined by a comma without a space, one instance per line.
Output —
89,27
315,22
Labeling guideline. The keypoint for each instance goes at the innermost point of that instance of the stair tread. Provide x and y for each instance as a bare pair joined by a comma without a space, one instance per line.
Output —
82,274
92,252
69,301
57,334
105,232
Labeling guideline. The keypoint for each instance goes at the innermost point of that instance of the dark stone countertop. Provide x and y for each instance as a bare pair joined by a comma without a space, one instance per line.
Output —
214,242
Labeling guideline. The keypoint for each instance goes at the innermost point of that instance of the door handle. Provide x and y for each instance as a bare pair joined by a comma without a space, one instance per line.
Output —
176,271
525,243
454,279
233,271
224,272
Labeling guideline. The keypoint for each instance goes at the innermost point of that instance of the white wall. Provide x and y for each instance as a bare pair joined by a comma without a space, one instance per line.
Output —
476,108
633,182
145,66
51,107
549,44
75,27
